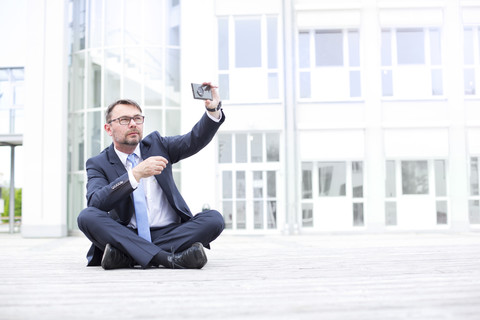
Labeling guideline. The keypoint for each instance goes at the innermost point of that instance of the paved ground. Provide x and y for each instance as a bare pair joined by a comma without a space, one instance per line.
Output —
389,276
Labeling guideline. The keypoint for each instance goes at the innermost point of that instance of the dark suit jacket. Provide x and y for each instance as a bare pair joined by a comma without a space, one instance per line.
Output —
108,186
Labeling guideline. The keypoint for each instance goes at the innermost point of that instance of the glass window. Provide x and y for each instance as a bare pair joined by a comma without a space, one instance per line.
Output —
390,179
241,147
474,172
258,214
240,184
354,48
469,81
241,214
271,214
304,49
153,120
410,46
307,215
437,82
307,182
390,213
227,206
468,47
113,23
224,148
386,48
256,147
332,179
273,147
474,211
442,212
172,122
248,49
223,53
329,48
415,177
357,179
435,47
153,73
224,86
227,183
272,42
271,184
358,214
440,178
94,130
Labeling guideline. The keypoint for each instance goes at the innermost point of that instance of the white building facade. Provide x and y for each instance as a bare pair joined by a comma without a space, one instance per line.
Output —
342,116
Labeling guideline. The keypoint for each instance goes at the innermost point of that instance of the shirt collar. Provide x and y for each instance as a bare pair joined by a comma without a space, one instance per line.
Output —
123,156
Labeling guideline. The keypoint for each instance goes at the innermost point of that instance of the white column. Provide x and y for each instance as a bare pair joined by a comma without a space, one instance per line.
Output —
453,89
44,200
374,191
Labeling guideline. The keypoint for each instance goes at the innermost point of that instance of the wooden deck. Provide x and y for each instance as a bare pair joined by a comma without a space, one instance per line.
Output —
388,276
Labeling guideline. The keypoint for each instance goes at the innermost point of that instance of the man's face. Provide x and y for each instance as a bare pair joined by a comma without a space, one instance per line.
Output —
124,136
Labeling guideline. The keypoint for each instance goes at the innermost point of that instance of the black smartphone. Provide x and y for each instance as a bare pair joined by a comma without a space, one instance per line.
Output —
201,91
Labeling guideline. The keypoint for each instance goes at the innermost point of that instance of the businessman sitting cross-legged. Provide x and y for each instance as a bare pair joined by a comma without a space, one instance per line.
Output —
135,213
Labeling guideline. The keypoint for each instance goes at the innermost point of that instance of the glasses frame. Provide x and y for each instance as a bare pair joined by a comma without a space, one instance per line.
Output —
129,120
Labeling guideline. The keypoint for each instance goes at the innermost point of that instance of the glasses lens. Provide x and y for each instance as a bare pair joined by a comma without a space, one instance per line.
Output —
124,120
138,119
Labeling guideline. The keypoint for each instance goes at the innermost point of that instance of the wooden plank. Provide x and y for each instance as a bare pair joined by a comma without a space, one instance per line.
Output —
388,276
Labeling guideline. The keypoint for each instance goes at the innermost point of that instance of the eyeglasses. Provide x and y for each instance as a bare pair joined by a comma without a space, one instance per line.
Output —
126,120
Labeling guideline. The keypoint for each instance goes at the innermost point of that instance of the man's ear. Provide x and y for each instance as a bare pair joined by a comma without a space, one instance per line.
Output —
108,129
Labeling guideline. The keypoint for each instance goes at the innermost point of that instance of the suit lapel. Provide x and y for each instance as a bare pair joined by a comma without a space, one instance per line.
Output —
115,161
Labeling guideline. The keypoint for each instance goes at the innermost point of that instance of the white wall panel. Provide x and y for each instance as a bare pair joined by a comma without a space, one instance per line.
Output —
416,143
331,145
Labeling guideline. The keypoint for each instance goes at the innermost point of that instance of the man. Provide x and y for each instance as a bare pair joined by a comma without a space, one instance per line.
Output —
135,213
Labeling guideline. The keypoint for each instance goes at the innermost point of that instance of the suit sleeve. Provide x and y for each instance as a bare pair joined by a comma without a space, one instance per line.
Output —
104,195
184,146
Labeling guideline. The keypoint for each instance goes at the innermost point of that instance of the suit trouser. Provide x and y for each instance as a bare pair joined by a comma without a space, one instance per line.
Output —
101,229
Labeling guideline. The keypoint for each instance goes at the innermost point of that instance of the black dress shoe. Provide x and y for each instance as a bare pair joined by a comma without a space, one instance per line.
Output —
192,258
115,259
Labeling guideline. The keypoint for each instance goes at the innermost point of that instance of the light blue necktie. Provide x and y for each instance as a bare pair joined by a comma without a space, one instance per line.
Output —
140,202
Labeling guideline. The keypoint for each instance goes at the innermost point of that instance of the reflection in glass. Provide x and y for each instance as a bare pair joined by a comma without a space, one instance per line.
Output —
442,212
390,179
227,184
153,74
172,77
357,179
172,122
358,214
112,75
94,128
440,178
391,213
469,81
256,147
132,74
241,214
474,183
228,213
328,48
248,46
415,177
410,46
307,215
94,72
307,184
258,214
224,148
271,184
257,184
241,184
273,147
332,179
474,211
271,214
241,148
153,120
113,24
